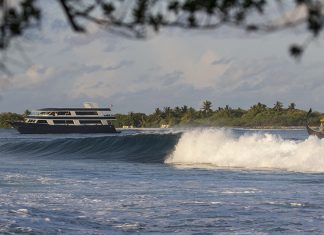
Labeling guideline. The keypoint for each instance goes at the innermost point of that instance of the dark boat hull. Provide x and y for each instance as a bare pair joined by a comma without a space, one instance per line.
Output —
34,128
310,131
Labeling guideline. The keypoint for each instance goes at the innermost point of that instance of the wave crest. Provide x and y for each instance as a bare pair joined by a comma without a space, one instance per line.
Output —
253,151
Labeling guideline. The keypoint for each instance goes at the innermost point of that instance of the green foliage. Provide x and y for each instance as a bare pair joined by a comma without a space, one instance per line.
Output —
278,106
26,113
292,106
16,18
258,115
206,108
5,118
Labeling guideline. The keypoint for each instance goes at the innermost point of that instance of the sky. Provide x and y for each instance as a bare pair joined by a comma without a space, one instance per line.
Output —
59,68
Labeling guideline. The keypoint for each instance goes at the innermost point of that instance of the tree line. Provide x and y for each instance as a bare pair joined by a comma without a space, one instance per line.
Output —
258,115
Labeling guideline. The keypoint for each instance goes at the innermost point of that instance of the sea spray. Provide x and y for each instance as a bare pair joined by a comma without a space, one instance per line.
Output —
253,151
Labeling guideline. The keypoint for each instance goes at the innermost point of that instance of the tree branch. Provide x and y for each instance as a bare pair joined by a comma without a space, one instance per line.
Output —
70,17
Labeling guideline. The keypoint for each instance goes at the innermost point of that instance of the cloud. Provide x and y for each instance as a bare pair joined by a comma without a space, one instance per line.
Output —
150,98
296,14
4,82
59,25
172,54
222,61
121,64
33,76
175,67
38,73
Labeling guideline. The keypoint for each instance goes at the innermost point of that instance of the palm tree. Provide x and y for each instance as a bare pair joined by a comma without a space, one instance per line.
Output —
177,111
259,107
167,110
206,108
292,106
227,108
184,109
157,113
26,113
278,106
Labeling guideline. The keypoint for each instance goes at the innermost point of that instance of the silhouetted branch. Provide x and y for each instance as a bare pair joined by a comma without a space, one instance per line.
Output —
71,17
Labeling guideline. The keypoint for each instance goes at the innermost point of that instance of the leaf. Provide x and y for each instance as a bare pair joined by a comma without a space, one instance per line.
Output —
296,51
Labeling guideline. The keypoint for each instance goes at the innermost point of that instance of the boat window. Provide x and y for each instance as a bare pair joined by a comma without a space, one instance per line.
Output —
42,121
90,122
63,113
63,122
86,113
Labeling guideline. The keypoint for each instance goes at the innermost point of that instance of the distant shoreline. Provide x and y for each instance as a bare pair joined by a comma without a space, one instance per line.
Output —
202,127
258,116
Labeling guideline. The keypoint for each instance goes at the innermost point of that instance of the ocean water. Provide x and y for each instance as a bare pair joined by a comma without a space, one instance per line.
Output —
190,181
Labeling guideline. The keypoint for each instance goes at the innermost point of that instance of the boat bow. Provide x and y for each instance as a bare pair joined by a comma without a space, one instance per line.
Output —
310,131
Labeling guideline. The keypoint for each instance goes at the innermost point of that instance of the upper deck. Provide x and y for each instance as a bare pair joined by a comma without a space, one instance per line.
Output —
72,109
89,111
71,114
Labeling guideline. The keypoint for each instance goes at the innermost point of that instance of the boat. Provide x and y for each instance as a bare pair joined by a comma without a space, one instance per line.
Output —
319,133
89,119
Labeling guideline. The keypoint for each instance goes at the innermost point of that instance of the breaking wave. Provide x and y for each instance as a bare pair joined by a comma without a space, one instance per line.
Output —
193,148
253,151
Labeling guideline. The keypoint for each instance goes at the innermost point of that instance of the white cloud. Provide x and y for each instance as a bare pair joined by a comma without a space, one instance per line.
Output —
296,14
38,73
4,82
32,77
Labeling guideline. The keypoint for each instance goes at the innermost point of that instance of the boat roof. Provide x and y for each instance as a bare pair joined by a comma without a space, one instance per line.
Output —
73,117
73,109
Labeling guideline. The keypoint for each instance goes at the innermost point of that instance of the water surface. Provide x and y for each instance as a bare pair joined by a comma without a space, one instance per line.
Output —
200,181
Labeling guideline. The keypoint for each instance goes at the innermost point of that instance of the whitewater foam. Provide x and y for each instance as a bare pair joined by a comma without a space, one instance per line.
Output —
253,151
